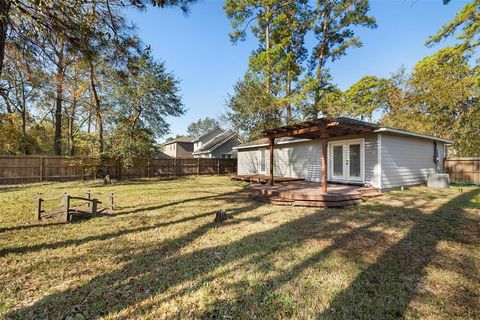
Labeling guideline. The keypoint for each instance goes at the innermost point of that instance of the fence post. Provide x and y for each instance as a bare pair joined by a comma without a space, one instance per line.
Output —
89,194
148,167
218,166
66,207
41,168
111,205
94,206
39,208
174,166
198,166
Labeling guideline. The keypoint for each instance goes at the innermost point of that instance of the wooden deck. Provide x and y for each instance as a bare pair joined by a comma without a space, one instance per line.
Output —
303,193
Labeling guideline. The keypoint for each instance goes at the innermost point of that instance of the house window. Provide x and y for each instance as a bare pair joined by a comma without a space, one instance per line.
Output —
226,156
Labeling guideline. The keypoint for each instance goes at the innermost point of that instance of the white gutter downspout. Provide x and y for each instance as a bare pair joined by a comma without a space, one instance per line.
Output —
379,160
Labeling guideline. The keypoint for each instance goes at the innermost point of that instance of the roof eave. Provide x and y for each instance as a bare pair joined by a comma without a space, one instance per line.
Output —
413,134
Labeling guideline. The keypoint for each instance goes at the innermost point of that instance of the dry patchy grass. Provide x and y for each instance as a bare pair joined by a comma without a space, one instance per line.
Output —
412,254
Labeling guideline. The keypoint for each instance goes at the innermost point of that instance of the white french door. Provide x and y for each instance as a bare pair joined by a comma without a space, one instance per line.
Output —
346,161
263,161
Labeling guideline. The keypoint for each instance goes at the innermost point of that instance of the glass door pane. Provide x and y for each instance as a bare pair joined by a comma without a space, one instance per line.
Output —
263,161
338,161
354,160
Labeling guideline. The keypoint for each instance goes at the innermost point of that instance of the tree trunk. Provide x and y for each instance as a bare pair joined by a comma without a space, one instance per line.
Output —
57,143
73,111
98,113
89,122
269,113
321,54
100,131
26,149
287,94
71,122
267,46
4,13
23,113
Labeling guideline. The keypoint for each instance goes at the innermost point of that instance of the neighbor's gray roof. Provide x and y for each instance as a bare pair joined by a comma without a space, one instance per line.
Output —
216,142
181,139
207,132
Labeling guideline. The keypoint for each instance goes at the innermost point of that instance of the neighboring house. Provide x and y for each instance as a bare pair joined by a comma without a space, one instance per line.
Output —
219,146
181,147
357,153
206,137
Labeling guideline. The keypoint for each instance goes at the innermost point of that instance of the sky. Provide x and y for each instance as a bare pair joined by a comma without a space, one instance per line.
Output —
197,50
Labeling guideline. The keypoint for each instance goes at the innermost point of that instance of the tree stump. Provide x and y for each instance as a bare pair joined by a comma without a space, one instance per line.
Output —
107,179
221,216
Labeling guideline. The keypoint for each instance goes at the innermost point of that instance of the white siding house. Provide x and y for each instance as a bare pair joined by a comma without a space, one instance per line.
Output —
384,159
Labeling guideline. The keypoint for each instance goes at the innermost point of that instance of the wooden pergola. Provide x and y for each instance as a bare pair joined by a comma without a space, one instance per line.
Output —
323,129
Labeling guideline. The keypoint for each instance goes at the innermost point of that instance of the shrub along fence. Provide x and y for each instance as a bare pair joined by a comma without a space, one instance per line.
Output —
26,169
463,170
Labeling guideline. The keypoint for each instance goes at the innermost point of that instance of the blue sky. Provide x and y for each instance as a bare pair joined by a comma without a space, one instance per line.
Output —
196,48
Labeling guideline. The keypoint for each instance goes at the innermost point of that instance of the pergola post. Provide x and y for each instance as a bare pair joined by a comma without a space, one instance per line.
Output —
271,144
324,165
324,140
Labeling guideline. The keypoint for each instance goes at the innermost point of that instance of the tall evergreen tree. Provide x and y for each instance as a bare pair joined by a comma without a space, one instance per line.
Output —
333,23
468,20
279,27
66,18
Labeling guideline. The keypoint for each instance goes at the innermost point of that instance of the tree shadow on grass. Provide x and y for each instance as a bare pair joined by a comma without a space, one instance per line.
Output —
392,280
100,237
232,196
385,289
30,226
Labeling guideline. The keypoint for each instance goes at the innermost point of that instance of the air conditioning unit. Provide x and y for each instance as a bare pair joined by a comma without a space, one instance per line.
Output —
437,180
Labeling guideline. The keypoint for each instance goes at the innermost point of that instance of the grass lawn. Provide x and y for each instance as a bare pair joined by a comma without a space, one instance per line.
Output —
412,254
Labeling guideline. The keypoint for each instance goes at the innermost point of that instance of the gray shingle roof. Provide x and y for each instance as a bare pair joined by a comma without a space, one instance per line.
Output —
181,139
216,142
207,132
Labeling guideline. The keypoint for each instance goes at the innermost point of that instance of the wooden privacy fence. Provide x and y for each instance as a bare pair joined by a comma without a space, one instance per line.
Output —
25,169
463,170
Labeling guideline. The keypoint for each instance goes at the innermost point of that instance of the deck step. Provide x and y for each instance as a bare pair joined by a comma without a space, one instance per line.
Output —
328,204
263,179
310,194
296,196
305,203
273,200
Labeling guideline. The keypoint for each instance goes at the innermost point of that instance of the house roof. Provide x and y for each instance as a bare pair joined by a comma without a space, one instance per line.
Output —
216,142
339,126
207,132
181,139
411,133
